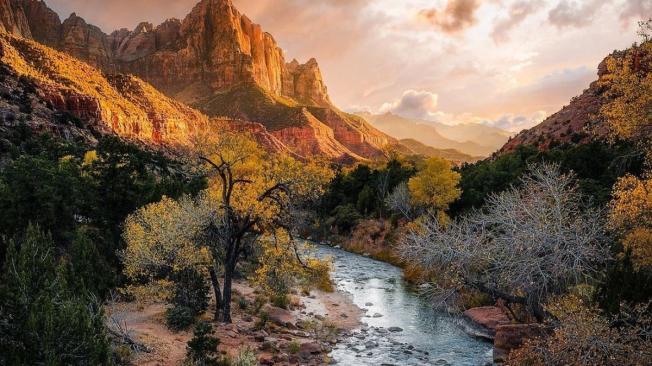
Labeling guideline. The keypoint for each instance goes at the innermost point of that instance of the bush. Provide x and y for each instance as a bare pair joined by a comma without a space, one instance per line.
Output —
246,357
190,291
294,347
202,348
179,318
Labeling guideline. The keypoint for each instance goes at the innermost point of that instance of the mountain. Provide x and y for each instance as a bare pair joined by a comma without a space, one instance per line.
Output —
414,147
46,88
466,139
217,61
580,121
49,91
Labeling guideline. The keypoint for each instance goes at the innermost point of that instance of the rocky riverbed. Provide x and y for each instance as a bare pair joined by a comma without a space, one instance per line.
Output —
399,327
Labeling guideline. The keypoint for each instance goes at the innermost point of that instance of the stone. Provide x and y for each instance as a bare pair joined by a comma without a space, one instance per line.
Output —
395,329
280,316
487,317
308,349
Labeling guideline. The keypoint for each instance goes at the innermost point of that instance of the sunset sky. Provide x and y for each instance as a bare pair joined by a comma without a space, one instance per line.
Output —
506,63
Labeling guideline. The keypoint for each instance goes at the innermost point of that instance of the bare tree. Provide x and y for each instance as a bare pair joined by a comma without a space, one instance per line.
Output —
400,201
528,244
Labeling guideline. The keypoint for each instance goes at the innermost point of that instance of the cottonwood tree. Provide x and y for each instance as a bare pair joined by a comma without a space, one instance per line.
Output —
527,244
251,195
435,185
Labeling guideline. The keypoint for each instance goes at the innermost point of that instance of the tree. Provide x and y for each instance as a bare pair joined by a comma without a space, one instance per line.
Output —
42,321
435,185
528,244
251,195
202,348
400,201
631,217
163,238
629,92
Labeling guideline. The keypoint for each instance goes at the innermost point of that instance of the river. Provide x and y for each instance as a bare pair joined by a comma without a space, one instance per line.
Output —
400,327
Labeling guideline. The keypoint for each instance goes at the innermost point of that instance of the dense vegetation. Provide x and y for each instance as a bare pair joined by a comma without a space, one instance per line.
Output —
62,206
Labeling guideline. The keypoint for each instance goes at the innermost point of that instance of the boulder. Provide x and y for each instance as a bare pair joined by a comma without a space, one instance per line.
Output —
309,349
281,317
488,318
511,336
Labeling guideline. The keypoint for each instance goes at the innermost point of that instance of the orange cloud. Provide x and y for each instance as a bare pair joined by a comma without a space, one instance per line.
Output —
456,16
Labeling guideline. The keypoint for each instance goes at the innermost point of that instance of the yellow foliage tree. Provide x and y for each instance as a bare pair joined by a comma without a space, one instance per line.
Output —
251,195
435,185
629,91
162,238
631,216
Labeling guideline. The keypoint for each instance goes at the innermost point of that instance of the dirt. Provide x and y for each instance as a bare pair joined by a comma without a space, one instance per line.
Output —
303,335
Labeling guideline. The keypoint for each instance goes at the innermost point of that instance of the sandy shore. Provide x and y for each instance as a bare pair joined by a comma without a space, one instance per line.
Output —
303,335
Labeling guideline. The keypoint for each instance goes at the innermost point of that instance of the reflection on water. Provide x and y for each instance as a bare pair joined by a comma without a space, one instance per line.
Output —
400,328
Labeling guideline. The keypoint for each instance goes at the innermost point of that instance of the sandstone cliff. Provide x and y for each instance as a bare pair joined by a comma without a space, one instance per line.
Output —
220,62
58,90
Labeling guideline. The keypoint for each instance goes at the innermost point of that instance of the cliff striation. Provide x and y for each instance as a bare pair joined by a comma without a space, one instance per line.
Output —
218,61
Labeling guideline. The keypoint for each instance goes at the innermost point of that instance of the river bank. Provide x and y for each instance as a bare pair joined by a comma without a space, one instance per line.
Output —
304,335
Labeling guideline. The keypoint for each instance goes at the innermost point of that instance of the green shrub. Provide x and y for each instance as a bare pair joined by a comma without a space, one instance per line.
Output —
246,357
190,291
294,347
202,348
281,300
179,318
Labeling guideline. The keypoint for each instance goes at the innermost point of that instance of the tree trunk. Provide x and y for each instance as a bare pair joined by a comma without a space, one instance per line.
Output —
228,279
216,290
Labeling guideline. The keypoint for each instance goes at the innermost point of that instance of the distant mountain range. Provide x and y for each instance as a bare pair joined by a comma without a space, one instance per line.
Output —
414,147
474,140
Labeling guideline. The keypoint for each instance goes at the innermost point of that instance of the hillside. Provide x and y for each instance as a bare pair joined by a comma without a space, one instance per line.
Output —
217,61
580,121
50,83
481,143
417,148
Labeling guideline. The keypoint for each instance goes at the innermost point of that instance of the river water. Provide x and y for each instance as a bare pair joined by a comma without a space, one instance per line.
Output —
400,327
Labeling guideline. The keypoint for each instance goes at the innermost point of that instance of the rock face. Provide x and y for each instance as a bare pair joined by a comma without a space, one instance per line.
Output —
218,61
69,92
13,20
213,48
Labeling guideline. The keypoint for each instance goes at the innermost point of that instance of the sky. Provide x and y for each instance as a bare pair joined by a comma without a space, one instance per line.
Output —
504,63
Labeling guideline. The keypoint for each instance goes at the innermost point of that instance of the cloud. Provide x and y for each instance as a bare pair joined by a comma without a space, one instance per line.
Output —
516,123
418,104
456,16
518,12
575,13
636,9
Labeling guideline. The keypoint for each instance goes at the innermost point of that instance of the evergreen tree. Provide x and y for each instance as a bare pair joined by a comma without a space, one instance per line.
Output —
42,321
